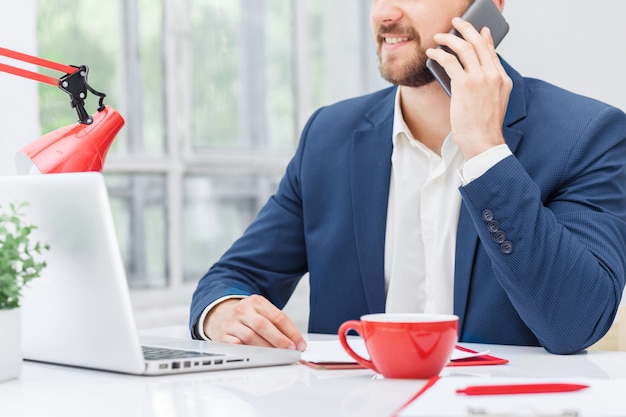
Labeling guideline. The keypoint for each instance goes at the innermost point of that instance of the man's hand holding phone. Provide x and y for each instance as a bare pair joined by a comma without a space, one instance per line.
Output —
480,87
480,13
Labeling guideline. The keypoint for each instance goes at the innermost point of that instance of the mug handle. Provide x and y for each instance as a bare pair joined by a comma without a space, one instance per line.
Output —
343,331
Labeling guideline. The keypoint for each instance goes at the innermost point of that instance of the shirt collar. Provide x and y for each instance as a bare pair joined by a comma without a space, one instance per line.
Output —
401,131
399,125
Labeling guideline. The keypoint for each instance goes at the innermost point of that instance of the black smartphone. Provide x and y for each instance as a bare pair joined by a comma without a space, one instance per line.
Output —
480,13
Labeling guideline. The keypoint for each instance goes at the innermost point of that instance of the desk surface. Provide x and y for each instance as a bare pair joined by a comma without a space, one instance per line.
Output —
293,390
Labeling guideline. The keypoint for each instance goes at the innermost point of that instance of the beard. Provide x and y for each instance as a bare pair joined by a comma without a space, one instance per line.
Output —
411,74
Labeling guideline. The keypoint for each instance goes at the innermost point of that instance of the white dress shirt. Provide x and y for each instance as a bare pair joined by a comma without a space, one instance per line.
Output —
422,219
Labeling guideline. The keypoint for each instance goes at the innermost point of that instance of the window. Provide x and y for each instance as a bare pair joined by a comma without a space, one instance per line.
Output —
214,93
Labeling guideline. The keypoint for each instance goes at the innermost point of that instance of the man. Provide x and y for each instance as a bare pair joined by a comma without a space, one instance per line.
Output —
504,204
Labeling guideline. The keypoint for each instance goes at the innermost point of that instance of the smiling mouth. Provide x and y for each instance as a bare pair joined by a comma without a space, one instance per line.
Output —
393,41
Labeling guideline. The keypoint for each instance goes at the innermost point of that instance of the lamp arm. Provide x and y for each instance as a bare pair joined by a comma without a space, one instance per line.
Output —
19,56
74,82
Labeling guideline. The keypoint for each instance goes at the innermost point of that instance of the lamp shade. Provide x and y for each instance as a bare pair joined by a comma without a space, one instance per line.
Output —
75,148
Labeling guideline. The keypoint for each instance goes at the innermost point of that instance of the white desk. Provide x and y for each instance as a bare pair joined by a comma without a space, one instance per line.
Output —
293,390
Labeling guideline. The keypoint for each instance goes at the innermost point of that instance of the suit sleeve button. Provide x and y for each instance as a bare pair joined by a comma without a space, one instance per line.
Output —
499,236
493,226
506,247
487,215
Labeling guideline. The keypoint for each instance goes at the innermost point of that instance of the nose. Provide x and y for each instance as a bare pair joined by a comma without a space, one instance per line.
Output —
385,11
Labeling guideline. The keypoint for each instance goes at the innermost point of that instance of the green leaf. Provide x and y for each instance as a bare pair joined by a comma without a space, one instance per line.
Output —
19,263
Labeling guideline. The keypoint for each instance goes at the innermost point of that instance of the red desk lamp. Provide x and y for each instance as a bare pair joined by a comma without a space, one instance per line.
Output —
75,148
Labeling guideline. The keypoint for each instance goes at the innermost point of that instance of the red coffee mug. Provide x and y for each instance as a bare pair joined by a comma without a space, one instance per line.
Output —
416,346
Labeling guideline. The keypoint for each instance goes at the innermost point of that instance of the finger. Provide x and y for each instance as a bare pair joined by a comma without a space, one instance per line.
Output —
235,340
486,34
481,41
286,327
274,325
463,49
467,31
241,334
492,61
448,61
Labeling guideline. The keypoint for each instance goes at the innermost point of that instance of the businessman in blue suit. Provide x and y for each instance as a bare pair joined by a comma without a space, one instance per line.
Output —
504,204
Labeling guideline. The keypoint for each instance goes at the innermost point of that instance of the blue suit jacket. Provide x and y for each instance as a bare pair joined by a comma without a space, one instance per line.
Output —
559,204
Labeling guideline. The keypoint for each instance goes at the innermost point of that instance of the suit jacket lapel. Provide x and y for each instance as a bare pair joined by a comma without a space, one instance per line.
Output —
371,170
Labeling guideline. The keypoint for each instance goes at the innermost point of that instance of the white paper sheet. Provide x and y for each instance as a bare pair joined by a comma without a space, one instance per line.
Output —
603,398
331,351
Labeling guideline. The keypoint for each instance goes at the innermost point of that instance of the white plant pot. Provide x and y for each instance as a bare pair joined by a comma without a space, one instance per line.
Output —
11,344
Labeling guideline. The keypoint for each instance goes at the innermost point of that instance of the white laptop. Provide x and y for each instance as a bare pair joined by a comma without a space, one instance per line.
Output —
78,312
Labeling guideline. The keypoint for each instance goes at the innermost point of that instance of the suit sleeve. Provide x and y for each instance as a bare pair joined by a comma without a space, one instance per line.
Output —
557,245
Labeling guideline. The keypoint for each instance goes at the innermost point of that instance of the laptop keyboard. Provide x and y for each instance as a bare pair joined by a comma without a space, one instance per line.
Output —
156,353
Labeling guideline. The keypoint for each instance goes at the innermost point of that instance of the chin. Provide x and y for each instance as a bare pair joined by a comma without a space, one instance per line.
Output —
418,78
411,73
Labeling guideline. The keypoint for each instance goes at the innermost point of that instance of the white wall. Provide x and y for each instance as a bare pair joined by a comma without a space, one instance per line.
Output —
576,44
19,120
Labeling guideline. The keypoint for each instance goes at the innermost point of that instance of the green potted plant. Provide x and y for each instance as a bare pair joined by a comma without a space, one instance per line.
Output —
19,264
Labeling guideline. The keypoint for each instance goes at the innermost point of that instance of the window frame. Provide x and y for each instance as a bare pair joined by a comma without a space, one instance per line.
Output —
180,160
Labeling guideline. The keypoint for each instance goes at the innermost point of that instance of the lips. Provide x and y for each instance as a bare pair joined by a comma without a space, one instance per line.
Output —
394,40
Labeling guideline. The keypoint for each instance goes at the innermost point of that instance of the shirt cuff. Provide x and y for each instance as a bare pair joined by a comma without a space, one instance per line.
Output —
200,324
482,162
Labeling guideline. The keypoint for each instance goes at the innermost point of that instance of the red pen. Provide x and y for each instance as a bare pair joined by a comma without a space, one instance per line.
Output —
520,389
